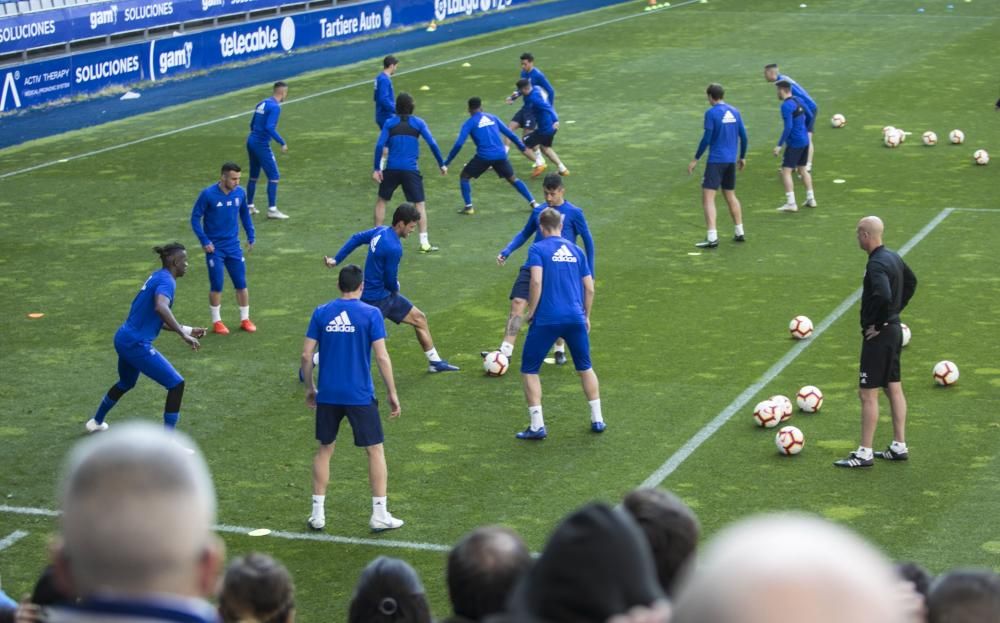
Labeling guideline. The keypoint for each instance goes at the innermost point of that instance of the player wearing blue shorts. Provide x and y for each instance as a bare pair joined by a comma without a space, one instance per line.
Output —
486,131
723,130
401,135
346,330
574,224
215,219
149,313
264,128
548,124
560,297
771,74
525,118
385,250
795,118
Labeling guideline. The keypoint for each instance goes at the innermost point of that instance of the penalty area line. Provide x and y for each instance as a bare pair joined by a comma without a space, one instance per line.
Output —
684,452
12,538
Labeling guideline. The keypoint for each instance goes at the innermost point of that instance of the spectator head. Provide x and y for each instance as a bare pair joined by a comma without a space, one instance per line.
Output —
785,568
257,588
482,570
671,528
964,596
137,515
389,591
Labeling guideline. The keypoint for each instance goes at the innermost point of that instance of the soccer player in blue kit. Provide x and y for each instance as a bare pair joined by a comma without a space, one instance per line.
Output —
723,129
525,118
150,312
795,118
548,124
560,299
401,135
264,128
574,224
385,250
384,97
346,330
215,219
486,131
771,74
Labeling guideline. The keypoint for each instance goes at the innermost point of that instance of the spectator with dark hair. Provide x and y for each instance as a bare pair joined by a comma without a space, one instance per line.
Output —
964,596
482,570
257,587
389,591
671,528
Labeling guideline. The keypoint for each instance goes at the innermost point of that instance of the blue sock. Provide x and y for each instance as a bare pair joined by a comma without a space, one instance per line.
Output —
272,194
170,420
466,187
251,190
523,189
102,410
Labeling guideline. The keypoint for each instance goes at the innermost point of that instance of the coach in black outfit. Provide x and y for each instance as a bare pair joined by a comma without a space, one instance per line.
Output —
889,284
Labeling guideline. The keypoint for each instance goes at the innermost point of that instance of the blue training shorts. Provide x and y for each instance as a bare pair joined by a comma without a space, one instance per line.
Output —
536,138
411,181
795,157
477,166
364,421
394,307
140,357
719,174
522,285
525,117
232,257
541,338
261,156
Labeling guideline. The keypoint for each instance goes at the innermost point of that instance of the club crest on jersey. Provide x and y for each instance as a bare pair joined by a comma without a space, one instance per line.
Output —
340,324
563,254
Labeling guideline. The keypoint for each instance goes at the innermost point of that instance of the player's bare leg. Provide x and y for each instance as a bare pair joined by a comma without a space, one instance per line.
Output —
243,301
736,212
789,184
378,473
897,402
869,415
809,155
712,234
592,390
554,157
380,212
321,477
425,243
418,320
807,180
514,322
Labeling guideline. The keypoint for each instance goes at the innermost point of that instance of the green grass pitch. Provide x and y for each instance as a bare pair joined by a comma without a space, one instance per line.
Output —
676,336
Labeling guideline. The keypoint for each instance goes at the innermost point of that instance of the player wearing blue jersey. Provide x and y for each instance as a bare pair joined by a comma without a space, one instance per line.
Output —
574,225
560,299
400,136
385,250
215,219
525,118
547,124
264,129
150,311
795,119
723,130
771,74
487,131
384,97
346,330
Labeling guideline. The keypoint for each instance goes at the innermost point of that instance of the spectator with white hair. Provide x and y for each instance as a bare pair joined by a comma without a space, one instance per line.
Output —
136,539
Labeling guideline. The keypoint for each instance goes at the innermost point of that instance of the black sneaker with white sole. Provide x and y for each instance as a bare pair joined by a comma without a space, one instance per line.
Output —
854,461
891,455
739,238
560,357
707,244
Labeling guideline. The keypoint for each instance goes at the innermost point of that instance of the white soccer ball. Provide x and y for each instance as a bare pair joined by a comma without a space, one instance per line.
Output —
893,138
907,334
495,363
957,137
767,414
981,157
838,120
784,404
929,138
809,399
800,327
945,373
789,440
887,129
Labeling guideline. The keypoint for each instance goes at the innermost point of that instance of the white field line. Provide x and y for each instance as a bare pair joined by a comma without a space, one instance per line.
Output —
706,432
12,538
344,87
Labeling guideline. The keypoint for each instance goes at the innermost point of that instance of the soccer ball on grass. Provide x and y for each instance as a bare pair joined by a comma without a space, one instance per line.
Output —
495,363
957,137
784,405
838,120
809,399
929,138
945,373
800,327
767,414
789,440
981,157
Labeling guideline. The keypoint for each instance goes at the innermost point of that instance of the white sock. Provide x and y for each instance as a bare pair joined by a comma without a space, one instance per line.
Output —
432,355
562,167
507,349
539,160
560,348
380,507
216,312
810,196
713,235
244,312
272,208
897,446
595,411
863,452
424,238
535,413
318,501
739,230
790,198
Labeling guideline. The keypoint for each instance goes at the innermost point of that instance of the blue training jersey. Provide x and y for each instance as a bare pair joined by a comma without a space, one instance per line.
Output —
538,79
574,224
485,130
219,211
382,264
545,114
563,268
143,323
801,93
402,136
723,130
385,99
345,330
264,122
795,117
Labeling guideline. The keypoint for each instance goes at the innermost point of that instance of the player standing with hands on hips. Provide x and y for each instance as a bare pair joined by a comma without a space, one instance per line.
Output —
888,286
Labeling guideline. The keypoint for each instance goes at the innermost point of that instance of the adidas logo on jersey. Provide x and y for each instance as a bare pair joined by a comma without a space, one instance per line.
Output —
485,122
340,324
563,255
729,117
